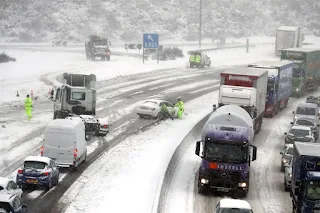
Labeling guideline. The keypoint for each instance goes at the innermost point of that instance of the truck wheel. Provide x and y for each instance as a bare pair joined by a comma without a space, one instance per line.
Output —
48,187
202,190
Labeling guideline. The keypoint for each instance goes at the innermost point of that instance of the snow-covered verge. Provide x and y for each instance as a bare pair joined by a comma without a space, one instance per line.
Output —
132,172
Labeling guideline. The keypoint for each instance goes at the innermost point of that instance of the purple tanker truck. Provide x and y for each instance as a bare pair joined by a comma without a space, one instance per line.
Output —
226,151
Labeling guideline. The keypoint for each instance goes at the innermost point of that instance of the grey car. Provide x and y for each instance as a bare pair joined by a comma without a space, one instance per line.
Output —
299,133
305,109
286,156
309,121
288,175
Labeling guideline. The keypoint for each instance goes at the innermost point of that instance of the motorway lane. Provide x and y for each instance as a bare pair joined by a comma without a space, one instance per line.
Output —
266,193
124,121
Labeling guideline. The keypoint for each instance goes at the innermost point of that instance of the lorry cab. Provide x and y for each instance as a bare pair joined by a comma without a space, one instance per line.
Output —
65,142
305,181
306,109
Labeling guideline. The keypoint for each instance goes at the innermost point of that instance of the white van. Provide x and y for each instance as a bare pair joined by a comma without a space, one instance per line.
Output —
65,142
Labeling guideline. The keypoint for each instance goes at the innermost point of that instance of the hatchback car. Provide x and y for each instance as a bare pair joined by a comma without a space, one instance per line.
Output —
228,205
299,133
38,171
310,121
9,186
11,203
288,175
287,154
152,108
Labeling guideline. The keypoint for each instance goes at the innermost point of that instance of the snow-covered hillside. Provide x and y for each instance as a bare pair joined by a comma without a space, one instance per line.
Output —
124,20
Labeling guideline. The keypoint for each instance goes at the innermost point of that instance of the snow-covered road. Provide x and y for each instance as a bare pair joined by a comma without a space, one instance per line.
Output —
266,193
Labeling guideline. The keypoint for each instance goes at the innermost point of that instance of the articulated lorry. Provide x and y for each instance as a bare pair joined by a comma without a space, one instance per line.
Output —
76,98
305,180
279,84
226,151
306,70
247,88
288,37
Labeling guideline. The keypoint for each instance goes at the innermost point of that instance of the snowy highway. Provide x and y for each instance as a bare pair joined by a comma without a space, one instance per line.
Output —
117,99
266,192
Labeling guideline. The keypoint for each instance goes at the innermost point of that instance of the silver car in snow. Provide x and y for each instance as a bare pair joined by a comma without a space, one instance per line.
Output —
152,109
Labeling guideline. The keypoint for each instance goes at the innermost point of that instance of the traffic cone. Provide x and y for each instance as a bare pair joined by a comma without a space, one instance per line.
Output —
18,94
49,93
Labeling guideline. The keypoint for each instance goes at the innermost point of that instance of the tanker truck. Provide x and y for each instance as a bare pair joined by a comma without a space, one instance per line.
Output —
226,151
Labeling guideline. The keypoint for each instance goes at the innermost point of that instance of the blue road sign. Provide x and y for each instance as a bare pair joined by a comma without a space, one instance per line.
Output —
150,41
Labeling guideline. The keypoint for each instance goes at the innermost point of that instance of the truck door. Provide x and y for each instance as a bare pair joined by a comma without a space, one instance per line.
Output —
57,100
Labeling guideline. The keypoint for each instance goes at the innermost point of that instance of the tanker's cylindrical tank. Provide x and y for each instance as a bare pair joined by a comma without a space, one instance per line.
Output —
229,115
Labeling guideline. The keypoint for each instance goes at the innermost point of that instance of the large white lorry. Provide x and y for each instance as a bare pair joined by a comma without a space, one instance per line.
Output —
288,37
247,88
77,98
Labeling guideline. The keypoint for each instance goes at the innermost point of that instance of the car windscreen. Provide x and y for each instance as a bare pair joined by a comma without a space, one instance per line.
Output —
234,210
34,165
299,132
304,123
306,111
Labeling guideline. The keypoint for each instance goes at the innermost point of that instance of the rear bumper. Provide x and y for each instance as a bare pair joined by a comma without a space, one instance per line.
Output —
39,181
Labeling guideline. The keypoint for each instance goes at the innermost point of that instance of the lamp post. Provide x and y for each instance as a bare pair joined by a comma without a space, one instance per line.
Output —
200,17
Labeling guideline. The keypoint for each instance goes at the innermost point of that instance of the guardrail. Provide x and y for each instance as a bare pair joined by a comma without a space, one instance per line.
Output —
220,48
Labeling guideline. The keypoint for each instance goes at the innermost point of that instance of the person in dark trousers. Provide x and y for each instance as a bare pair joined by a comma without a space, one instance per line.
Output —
165,112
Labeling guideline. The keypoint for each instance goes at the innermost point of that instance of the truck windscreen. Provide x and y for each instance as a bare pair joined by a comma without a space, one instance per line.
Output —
225,153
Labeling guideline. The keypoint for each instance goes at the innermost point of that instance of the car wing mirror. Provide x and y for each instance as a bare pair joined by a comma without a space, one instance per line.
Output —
285,133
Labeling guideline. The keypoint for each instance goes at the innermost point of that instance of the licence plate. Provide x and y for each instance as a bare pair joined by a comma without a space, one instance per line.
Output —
32,181
222,190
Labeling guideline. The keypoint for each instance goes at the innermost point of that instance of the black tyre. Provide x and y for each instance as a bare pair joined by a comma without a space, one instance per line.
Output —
49,186
160,115
202,190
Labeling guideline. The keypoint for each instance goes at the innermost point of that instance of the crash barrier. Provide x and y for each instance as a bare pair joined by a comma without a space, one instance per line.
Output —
220,48
188,140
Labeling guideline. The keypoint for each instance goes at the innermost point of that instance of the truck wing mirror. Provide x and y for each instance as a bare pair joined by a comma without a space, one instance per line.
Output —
285,133
198,149
291,123
281,153
254,153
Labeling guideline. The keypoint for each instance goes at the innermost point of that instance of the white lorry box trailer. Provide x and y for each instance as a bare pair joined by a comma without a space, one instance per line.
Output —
65,142
245,87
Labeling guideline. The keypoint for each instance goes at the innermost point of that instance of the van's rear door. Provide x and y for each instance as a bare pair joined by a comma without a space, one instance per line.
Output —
66,148
51,143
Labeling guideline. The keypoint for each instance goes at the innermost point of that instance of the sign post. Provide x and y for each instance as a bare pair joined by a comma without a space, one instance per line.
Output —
150,41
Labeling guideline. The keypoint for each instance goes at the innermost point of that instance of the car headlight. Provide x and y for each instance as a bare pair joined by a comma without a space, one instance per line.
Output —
284,160
290,175
297,90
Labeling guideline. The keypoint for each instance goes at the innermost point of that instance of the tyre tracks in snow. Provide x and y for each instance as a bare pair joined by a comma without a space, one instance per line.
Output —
129,91
266,193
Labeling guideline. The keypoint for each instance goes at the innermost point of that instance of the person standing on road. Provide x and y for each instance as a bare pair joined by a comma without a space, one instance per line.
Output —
198,60
192,60
165,112
180,106
28,107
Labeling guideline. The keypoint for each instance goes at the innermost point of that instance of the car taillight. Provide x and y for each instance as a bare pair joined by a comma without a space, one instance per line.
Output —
45,173
41,150
105,126
20,171
75,153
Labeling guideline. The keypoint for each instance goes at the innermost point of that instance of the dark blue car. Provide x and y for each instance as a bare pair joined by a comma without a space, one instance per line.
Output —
38,171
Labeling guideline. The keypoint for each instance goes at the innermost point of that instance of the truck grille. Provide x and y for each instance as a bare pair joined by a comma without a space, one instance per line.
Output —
227,179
